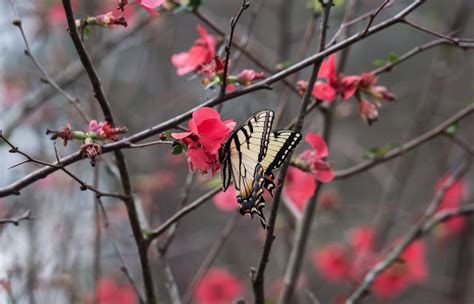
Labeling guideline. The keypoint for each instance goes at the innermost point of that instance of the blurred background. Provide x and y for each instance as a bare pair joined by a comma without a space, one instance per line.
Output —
65,255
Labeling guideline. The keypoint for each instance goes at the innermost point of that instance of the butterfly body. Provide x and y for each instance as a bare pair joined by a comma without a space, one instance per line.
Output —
248,157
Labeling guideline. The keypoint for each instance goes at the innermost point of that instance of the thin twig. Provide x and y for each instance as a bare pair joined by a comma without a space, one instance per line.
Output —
413,234
211,256
303,227
431,32
84,186
308,36
46,77
148,144
151,235
373,15
26,216
163,247
439,129
99,94
233,24
123,265
460,143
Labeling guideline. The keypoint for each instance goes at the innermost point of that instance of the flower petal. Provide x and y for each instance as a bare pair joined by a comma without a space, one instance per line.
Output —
318,144
324,91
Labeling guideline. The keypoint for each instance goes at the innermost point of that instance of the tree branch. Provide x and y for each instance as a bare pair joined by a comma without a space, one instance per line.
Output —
439,129
121,163
233,24
26,216
413,234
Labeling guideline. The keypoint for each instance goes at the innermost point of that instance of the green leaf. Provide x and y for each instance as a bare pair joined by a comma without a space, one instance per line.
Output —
168,133
377,152
177,148
214,183
452,129
87,32
392,57
379,62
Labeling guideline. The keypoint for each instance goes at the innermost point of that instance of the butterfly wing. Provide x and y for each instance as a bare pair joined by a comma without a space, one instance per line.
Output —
241,155
281,144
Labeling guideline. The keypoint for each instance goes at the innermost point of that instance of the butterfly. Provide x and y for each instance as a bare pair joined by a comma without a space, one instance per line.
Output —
249,156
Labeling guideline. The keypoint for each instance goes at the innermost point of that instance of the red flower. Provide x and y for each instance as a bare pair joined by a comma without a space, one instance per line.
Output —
333,262
299,187
316,158
200,54
350,262
104,130
226,201
150,5
246,77
218,286
362,239
206,134
410,269
91,150
109,292
346,86
452,200
368,111
328,199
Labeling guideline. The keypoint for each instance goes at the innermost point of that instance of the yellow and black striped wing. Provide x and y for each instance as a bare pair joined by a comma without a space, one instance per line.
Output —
244,149
281,144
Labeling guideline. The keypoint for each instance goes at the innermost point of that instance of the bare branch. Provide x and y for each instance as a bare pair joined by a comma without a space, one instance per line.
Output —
211,256
233,24
439,129
413,234
373,15
26,216
166,225
120,158
303,227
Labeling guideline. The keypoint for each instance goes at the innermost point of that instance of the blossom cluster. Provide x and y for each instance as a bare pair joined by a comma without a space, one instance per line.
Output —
349,261
203,60
452,199
206,133
347,86
309,166
97,131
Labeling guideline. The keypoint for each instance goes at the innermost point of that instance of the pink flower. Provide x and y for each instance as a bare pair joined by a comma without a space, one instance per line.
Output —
91,150
246,77
150,5
328,200
316,158
218,286
346,86
410,269
110,292
362,239
368,111
200,54
109,20
333,262
349,262
299,187
226,201
104,130
206,134
335,84
452,200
